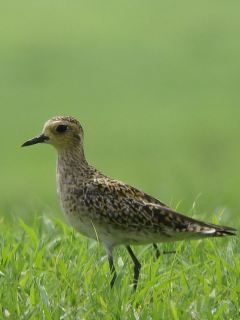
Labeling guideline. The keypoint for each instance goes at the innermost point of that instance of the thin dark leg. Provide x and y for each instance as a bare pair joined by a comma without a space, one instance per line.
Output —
158,251
112,269
137,267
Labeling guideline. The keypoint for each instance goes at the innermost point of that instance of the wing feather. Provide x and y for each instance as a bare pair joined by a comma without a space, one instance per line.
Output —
124,206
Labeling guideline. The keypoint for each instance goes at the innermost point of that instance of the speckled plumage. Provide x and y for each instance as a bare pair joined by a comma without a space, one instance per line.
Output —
108,210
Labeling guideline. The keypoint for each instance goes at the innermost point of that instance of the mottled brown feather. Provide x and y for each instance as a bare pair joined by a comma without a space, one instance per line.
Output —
131,208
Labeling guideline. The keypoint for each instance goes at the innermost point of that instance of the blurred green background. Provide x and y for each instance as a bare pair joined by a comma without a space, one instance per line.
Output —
154,84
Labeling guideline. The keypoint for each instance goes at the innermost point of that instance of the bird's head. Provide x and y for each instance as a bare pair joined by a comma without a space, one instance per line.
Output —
61,132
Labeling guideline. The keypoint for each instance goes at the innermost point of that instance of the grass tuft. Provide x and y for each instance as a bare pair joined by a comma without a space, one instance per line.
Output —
48,271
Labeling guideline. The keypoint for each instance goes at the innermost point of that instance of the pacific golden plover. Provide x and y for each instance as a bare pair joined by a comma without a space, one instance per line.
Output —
109,210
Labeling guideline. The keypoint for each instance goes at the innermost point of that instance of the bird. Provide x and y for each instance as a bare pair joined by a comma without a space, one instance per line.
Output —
108,210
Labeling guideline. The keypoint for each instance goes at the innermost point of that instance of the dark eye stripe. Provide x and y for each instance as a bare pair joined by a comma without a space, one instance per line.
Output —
61,128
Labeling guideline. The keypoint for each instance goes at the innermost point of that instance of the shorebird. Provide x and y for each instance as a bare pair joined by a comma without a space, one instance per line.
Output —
109,210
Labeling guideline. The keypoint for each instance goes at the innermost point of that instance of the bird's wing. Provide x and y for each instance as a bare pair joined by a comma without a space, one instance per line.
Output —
122,205
123,190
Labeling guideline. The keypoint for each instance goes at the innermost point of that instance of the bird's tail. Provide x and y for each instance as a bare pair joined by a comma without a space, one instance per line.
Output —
216,230
189,228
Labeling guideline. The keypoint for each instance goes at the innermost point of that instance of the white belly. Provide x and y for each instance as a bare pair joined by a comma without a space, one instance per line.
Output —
82,224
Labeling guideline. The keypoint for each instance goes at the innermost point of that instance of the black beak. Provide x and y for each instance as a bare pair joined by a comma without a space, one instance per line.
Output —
38,139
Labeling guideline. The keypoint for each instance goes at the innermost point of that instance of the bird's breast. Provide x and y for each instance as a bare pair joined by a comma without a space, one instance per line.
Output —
72,203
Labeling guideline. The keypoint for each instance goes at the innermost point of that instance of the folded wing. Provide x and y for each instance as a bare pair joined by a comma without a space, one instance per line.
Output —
124,206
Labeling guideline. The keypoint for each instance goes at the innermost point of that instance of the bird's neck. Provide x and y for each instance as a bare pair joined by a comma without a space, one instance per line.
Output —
72,164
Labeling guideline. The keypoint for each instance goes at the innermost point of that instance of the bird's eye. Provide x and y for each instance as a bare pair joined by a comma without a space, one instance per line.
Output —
61,128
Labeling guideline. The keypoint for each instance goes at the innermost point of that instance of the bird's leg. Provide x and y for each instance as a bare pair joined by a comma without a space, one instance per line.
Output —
112,269
158,251
137,267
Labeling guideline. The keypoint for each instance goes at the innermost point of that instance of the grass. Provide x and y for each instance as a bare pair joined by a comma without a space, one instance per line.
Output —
156,87
50,272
